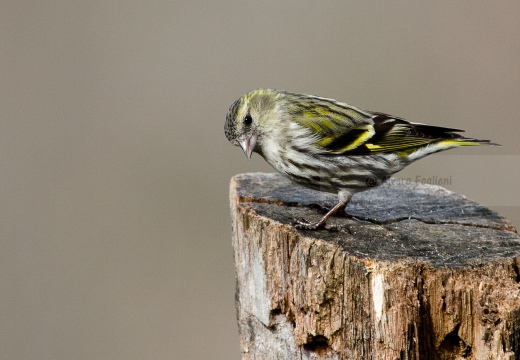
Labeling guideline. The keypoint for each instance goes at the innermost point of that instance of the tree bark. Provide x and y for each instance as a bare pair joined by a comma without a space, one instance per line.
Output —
426,274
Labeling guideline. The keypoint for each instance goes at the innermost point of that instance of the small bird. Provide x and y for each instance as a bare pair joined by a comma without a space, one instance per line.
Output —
330,146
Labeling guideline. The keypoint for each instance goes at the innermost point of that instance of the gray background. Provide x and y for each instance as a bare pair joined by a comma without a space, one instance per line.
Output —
114,169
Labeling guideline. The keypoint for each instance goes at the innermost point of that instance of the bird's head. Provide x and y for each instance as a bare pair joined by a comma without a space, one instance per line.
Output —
248,119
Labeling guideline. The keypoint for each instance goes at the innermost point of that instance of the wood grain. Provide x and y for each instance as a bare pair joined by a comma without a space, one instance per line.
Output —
427,274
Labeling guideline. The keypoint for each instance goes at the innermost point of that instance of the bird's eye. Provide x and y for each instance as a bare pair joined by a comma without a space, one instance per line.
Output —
248,119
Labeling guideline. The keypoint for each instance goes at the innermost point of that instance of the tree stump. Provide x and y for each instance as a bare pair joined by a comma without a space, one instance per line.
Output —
427,274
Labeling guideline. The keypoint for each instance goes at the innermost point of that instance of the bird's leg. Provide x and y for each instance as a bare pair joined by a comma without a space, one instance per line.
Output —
324,209
344,198
304,225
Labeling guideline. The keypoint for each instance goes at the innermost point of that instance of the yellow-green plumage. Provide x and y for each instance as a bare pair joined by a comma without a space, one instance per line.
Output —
329,145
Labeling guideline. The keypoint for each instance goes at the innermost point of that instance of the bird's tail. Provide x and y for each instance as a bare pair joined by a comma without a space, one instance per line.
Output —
464,141
445,144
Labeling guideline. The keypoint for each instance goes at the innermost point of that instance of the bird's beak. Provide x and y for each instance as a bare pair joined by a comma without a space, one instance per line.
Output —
248,145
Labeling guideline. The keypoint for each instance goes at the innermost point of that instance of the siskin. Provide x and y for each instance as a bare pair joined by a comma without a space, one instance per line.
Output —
330,146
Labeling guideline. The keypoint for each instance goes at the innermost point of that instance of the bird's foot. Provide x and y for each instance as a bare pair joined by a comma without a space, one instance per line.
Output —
324,210
307,225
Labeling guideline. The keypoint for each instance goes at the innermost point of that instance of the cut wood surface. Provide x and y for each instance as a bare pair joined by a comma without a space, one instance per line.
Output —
426,274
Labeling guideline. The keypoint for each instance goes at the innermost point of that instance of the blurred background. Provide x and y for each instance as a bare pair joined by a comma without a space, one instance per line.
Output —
115,237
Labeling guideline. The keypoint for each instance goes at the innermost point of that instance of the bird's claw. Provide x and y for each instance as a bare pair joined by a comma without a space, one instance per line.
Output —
307,225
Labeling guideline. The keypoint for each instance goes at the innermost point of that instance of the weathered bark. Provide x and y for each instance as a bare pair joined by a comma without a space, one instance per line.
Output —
429,274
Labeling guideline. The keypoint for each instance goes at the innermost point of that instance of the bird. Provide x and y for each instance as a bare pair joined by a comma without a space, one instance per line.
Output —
331,146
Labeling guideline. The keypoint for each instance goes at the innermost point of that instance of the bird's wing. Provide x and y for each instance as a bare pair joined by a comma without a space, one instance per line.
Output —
393,134
336,127
374,134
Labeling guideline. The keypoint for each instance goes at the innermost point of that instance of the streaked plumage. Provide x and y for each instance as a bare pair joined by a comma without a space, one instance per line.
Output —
331,146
